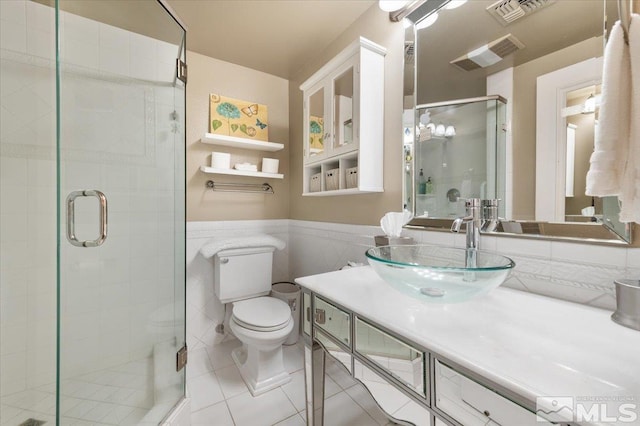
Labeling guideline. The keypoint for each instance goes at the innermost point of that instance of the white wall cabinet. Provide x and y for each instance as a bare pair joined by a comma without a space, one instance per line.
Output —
344,122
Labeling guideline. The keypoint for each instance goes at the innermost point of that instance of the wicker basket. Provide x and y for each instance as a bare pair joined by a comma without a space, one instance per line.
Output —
332,179
351,177
314,183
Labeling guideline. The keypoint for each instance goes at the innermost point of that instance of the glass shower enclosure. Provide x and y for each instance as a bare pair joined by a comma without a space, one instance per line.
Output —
92,145
456,151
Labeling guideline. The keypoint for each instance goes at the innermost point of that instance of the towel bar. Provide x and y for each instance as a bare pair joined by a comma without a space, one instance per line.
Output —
624,12
263,188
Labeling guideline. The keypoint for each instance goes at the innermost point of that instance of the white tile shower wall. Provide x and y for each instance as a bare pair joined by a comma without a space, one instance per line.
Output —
106,301
204,310
27,197
130,158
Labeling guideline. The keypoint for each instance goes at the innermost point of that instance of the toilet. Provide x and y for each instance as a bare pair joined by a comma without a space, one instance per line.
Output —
262,323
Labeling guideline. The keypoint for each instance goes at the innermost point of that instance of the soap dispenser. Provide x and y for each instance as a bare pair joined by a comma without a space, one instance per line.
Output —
428,186
422,184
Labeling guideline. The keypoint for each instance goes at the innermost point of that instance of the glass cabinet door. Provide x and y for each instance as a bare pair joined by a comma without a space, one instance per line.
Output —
343,119
316,130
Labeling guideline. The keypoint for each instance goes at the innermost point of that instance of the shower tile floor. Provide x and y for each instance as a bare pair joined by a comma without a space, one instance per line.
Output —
119,395
219,396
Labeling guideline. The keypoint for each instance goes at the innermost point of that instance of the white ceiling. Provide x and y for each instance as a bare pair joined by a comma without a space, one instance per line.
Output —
274,36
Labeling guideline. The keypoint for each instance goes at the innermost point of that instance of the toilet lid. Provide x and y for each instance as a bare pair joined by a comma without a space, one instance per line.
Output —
262,313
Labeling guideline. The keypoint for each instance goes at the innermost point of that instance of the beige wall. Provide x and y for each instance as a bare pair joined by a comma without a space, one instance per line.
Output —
208,75
524,118
364,208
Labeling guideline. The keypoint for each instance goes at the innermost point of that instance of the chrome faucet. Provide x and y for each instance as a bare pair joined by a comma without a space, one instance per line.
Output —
473,223
480,215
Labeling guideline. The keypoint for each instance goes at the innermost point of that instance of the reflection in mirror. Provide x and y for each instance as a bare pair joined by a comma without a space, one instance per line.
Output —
581,117
316,122
458,154
343,109
402,361
334,350
399,408
474,50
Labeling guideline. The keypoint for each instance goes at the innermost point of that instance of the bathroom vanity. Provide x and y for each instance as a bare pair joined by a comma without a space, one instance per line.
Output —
496,360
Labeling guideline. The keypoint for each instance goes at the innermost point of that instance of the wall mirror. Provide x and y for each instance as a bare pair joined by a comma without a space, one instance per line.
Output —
501,101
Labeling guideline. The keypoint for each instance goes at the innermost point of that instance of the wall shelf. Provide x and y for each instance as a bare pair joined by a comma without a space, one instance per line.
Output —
235,172
244,143
338,192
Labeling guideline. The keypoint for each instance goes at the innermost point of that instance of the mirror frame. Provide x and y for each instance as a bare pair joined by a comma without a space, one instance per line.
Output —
588,233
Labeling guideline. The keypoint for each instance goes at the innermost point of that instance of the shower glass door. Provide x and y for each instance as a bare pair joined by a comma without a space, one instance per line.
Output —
120,141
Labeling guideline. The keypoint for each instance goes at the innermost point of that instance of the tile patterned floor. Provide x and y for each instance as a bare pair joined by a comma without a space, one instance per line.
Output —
220,397
117,396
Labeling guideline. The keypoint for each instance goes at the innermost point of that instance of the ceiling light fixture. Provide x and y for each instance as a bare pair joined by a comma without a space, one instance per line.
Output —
427,22
392,5
454,4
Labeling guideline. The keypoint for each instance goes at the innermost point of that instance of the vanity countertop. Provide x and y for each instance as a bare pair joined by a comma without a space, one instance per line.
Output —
532,345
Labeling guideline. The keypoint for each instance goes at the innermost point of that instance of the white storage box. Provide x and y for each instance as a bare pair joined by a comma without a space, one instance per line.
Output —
351,177
332,179
314,182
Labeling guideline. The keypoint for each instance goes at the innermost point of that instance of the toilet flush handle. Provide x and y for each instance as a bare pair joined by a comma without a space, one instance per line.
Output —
224,260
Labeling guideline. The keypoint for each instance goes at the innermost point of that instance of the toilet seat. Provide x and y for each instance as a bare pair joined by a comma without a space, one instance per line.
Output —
262,314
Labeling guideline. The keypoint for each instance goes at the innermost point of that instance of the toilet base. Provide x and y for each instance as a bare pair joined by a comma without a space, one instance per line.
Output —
260,370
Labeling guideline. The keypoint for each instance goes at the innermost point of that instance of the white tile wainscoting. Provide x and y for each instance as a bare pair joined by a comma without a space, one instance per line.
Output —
578,273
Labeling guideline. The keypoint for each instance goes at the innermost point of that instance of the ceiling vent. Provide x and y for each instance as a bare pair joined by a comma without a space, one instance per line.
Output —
489,54
409,52
508,11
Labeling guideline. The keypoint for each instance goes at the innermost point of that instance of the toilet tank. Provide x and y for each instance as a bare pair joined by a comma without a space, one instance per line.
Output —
242,273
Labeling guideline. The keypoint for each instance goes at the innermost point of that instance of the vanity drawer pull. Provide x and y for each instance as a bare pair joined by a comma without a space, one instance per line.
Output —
320,317
487,413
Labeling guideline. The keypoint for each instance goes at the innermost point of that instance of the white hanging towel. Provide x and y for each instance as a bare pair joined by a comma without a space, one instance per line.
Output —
630,185
612,133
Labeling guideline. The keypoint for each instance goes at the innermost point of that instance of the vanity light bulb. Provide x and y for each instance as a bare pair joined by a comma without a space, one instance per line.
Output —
450,131
440,130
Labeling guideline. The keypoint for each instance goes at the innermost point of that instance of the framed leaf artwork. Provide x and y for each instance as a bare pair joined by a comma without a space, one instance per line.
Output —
234,117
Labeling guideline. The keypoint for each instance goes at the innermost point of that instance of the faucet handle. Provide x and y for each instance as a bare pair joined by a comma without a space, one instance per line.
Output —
490,209
473,202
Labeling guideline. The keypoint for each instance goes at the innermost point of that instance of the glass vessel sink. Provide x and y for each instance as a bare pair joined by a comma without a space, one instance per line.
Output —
438,274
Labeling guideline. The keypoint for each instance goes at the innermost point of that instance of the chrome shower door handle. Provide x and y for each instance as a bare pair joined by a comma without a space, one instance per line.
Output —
71,235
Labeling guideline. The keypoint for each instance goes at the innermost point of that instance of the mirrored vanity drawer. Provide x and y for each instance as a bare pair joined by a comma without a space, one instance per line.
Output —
401,360
333,320
471,403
